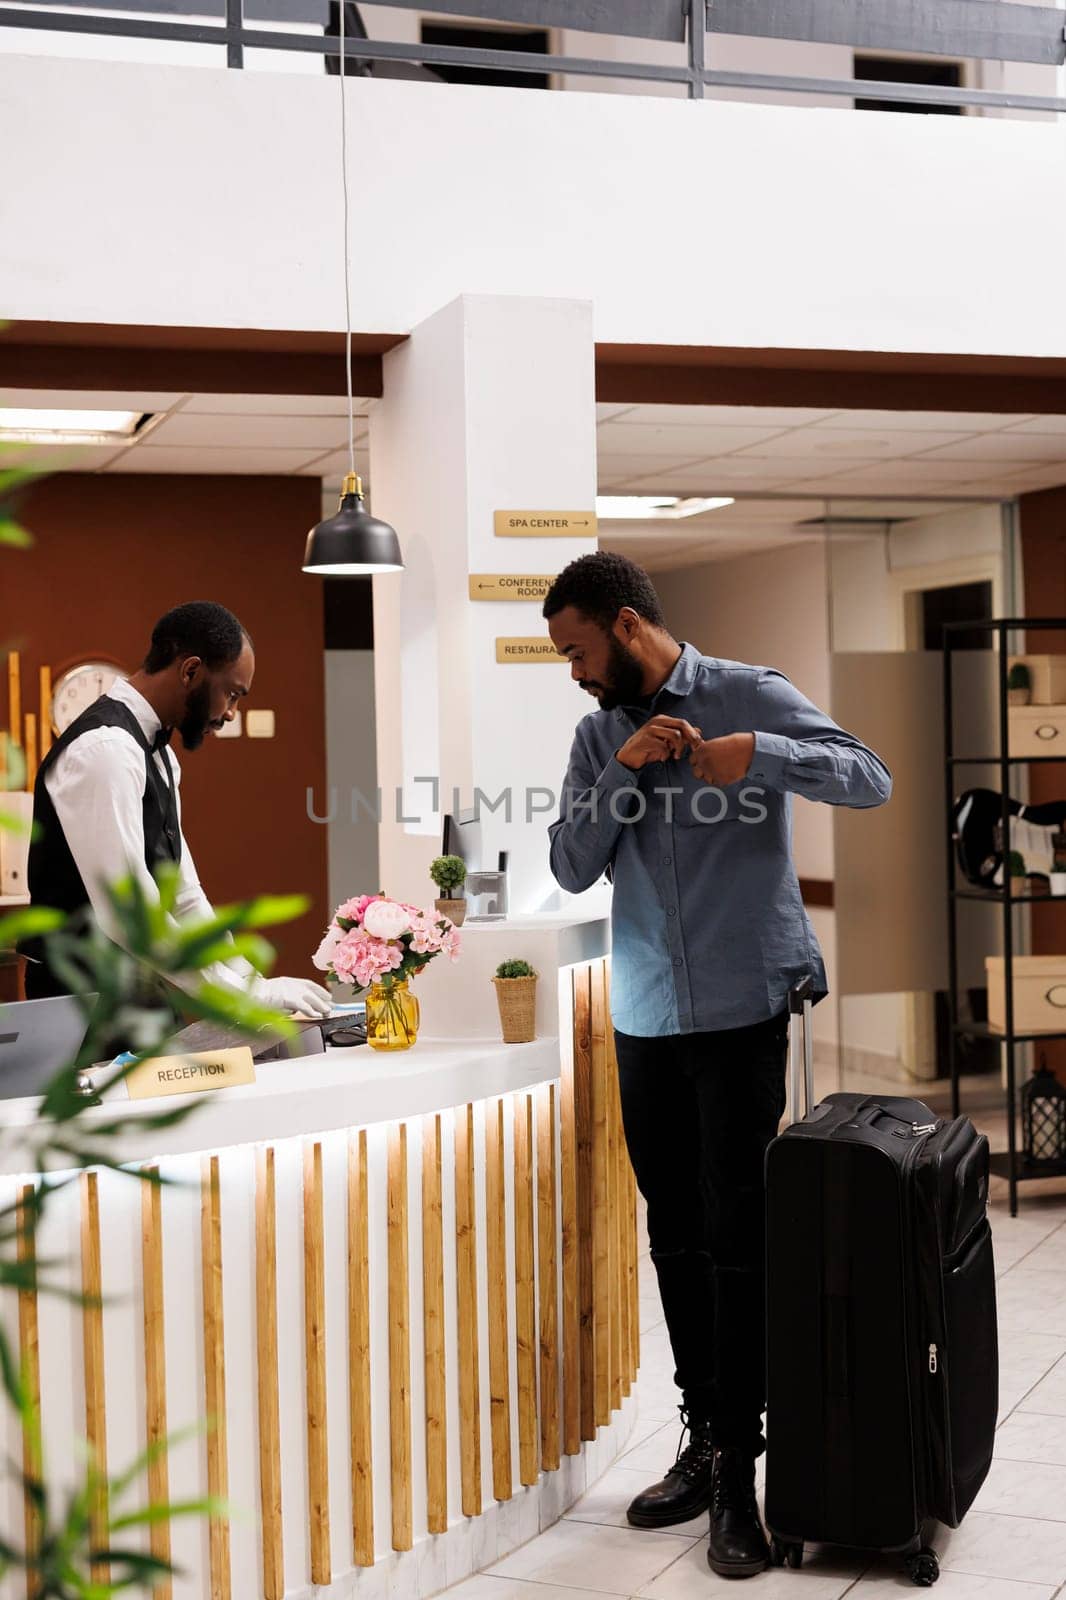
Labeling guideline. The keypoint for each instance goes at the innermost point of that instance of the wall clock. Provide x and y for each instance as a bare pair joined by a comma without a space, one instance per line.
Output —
77,688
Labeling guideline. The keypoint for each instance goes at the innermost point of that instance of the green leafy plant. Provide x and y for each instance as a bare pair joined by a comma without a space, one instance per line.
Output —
515,969
1019,676
449,874
1016,864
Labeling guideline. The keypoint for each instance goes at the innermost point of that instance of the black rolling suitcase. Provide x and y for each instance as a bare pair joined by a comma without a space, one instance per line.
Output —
882,1356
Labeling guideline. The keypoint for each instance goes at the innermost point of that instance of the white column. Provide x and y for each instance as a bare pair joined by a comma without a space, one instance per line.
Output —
489,405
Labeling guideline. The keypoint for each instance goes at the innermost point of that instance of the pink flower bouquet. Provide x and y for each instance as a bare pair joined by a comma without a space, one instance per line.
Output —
373,939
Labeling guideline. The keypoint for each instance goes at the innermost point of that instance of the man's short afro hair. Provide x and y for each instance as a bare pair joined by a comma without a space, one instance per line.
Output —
599,585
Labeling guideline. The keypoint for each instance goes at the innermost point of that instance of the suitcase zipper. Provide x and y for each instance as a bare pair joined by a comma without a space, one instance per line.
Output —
915,1130
933,1362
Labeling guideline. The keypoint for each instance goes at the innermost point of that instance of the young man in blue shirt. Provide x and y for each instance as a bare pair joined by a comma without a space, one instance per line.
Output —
680,788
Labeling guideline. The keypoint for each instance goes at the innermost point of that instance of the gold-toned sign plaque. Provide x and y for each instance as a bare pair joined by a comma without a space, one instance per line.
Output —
203,1069
526,651
545,524
510,585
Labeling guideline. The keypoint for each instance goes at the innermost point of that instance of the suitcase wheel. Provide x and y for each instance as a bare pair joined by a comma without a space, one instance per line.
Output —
781,1552
923,1569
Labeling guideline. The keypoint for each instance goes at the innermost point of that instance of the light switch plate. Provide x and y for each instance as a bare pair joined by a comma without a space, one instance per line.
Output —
259,724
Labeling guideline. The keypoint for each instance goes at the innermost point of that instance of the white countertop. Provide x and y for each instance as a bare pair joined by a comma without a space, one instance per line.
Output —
339,1088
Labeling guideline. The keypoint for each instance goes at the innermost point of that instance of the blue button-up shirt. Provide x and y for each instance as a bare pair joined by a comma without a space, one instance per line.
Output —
708,924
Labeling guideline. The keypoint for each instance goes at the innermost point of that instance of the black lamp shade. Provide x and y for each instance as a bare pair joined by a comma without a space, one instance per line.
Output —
352,542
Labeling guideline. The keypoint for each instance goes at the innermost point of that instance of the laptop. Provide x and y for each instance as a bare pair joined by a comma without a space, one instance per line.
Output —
37,1038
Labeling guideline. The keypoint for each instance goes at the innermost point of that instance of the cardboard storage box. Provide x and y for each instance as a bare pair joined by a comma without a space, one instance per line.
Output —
1047,678
1039,994
1037,730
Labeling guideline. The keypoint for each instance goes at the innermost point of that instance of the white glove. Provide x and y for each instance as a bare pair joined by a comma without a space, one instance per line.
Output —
295,994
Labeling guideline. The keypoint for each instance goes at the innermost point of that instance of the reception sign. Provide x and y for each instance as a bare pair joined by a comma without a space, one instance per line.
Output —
191,1074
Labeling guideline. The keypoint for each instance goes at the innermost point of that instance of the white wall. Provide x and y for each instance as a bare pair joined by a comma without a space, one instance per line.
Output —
209,198
768,609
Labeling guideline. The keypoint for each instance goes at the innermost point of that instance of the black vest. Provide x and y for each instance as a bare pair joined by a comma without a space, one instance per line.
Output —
54,879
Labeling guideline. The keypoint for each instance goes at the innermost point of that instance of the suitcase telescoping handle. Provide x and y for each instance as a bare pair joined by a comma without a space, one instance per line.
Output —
800,1039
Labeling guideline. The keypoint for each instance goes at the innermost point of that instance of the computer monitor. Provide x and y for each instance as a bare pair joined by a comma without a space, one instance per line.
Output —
462,837
37,1039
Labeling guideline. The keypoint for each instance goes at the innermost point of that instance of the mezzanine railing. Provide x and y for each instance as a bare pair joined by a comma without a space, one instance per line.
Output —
970,30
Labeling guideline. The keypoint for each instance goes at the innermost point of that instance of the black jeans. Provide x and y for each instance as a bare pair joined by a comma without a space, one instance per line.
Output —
699,1111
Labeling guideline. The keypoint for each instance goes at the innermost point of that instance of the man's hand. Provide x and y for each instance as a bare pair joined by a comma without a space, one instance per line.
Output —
302,995
724,760
660,739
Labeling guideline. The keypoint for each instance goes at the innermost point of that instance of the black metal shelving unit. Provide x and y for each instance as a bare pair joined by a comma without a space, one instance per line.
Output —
1012,1164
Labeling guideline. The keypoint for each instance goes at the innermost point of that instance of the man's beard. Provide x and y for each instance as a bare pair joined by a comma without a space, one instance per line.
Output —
625,677
197,719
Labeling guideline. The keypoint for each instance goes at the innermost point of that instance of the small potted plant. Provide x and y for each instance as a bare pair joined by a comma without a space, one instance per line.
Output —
516,995
1019,684
449,874
1017,873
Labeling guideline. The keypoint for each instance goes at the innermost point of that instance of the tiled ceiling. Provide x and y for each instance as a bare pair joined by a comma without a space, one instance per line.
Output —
213,433
788,469
780,464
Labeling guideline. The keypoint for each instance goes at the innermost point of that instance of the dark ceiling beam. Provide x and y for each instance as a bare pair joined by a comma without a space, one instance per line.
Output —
51,355
833,379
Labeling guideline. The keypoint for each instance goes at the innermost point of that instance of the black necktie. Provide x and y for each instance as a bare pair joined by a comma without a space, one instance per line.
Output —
162,739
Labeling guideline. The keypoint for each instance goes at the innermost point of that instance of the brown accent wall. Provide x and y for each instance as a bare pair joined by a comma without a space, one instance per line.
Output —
111,555
1042,520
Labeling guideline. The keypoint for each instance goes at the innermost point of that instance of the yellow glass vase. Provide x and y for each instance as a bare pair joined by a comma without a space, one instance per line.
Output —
392,1016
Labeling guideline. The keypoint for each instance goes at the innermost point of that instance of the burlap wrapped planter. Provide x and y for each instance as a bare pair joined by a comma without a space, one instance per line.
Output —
455,910
517,999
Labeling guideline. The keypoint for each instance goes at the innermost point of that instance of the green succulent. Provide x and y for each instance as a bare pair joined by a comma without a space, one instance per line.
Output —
1016,864
1018,677
515,969
448,873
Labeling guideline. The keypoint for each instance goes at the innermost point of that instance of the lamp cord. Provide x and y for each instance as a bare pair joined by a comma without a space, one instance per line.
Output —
347,255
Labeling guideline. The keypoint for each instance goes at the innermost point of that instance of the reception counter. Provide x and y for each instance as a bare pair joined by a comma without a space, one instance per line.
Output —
402,1286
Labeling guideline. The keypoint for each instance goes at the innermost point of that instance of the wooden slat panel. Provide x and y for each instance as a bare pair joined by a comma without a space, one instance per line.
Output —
583,1138
634,1277
399,1340
616,1214
30,1363
601,1256
496,1259
547,1265
155,1373
214,1371
571,1329
621,1217
266,1329
433,1339
359,1353
614,1275
92,1325
466,1289
315,1351
525,1297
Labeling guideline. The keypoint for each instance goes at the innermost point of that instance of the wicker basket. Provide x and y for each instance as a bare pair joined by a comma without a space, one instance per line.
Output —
517,998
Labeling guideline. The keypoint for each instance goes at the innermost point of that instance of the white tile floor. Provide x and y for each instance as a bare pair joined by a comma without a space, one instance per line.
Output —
1012,1546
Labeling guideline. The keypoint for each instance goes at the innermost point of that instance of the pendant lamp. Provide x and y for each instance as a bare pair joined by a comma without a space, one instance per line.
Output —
351,542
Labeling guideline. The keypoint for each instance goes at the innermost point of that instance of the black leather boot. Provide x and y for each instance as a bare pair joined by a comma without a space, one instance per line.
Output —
685,1492
737,1546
